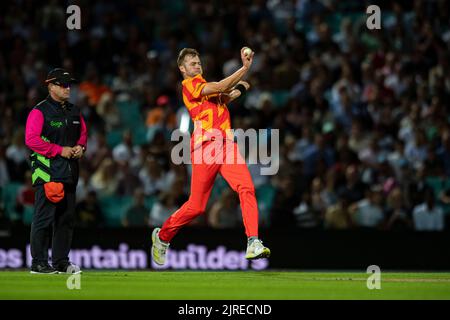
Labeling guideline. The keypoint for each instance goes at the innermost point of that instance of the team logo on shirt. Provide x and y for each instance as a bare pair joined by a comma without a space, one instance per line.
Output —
56,124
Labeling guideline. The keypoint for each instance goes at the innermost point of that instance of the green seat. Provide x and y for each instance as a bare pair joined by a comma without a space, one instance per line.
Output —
280,98
439,185
129,112
334,21
149,202
139,132
114,137
219,186
28,212
114,207
265,195
174,8
9,196
131,117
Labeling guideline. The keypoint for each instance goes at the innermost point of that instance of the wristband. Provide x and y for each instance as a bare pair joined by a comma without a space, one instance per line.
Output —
241,89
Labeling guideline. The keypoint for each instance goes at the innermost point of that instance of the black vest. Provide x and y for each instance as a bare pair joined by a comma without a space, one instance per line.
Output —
62,126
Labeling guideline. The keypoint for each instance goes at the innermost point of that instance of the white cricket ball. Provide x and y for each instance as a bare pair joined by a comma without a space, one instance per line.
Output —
247,51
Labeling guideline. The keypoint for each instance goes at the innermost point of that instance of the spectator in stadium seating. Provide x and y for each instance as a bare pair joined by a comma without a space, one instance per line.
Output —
345,156
100,151
167,203
319,197
345,36
344,109
152,177
126,151
92,87
319,151
397,159
416,149
4,167
369,212
4,221
137,214
338,216
52,14
89,212
158,146
161,116
396,212
329,193
306,215
432,164
25,194
428,216
225,213
285,201
83,186
409,122
107,110
17,153
105,180
370,155
444,152
175,174
354,188
414,185
359,139
302,145
121,83
385,176
128,181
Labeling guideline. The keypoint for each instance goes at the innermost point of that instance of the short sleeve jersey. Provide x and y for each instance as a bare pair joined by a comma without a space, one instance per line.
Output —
207,112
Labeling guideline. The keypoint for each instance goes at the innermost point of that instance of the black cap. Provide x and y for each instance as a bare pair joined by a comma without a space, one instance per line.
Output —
59,76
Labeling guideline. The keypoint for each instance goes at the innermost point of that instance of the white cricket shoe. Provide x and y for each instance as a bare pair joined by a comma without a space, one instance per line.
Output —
159,248
256,250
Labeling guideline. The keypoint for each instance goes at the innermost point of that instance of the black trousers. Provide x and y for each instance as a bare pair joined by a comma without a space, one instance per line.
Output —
58,218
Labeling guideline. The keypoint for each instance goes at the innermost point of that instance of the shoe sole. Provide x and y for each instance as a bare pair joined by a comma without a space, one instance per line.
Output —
264,254
62,272
155,231
37,272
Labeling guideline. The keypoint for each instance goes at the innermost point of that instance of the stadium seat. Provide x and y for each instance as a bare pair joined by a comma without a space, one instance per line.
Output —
27,217
9,195
129,113
139,132
219,185
149,202
439,185
114,207
131,118
114,137
280,98
334,21
265,195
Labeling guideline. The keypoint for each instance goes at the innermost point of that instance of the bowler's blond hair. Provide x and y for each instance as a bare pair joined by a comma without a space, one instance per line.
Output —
186,52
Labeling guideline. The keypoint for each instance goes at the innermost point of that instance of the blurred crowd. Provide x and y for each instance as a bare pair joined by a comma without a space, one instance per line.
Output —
363,114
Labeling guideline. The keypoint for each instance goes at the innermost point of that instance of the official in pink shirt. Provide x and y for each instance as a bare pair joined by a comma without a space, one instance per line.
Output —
56,134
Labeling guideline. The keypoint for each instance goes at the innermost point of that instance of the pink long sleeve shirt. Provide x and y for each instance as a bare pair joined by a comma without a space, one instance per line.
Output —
33,139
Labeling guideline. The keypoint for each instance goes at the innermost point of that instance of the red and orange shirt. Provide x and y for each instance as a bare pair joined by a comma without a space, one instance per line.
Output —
207,112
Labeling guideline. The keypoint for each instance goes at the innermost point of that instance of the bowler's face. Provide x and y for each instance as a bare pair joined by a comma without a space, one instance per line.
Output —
191,66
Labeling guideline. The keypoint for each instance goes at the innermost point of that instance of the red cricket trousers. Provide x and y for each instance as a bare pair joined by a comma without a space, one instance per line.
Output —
204,173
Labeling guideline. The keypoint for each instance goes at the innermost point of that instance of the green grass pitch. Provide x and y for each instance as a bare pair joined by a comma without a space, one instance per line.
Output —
248,285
